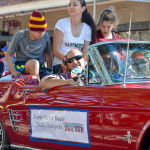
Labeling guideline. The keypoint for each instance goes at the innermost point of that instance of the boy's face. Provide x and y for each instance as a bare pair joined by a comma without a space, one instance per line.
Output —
36,35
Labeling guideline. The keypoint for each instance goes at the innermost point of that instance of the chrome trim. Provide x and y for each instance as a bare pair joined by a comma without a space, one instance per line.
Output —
11,115
128,136
103,73
17,126
17,120
99,65
27,90
125,137
15,114
103,68
92,55
125,42
14,147
86,72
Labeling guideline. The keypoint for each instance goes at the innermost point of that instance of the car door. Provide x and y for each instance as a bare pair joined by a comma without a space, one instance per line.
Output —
17,115
123,116
80,104
77,106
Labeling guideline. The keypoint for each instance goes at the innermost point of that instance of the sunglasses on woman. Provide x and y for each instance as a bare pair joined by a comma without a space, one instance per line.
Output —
78,57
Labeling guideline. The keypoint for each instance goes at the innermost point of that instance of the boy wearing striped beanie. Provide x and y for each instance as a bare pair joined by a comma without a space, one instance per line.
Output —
30,46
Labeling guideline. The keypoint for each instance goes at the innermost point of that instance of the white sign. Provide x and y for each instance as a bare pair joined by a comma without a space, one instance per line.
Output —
60,125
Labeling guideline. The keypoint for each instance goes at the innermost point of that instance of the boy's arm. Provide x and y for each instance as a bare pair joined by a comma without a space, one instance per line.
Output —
8,56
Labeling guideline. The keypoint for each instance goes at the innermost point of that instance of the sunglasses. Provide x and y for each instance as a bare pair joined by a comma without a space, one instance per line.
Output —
78,57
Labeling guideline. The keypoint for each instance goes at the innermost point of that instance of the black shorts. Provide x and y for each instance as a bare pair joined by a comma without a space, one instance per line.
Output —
20,66
43,71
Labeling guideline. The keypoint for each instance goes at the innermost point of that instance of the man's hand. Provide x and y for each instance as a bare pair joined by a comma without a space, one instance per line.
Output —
72,82
15,74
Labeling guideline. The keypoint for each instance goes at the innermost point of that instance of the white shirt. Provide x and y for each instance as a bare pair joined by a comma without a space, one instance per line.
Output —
69,41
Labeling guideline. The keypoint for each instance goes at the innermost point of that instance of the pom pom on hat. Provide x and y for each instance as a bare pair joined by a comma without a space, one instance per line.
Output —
37,22
5,48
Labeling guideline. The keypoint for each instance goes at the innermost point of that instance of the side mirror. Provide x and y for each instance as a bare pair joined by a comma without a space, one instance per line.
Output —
78,75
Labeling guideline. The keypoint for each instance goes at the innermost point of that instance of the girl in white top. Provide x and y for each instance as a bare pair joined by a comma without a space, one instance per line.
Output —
77,31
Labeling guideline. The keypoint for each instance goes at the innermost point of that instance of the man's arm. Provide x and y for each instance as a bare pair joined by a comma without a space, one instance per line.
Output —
49,60
53,82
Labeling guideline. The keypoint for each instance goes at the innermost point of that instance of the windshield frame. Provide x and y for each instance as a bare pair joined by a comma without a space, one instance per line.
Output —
97,61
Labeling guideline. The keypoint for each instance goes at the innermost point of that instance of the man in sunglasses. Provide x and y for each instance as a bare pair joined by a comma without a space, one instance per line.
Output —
74,58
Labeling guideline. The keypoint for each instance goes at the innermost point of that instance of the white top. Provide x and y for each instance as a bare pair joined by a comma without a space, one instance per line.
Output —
69,41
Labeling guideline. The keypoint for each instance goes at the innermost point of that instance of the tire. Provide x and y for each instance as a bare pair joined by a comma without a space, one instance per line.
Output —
4,140
145,145
146,141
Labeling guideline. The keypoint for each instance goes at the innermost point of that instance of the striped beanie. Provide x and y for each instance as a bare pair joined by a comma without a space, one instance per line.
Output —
37,22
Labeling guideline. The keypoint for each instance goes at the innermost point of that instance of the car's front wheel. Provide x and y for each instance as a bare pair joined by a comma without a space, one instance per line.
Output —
146,141
4,140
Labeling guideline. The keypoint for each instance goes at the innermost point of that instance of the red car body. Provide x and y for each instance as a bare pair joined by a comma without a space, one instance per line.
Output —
115,117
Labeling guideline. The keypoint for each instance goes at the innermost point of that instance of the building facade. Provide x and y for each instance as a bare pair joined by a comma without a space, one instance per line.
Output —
15,15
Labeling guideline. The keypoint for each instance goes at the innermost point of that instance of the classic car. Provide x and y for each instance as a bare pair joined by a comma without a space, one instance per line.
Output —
110,112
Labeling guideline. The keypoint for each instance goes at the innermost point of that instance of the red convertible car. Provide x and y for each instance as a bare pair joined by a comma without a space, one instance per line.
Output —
110,112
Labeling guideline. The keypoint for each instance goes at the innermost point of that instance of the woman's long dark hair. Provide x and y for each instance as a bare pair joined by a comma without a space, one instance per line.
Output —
87,18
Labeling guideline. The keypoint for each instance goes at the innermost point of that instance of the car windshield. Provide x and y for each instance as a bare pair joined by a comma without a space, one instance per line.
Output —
113,57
